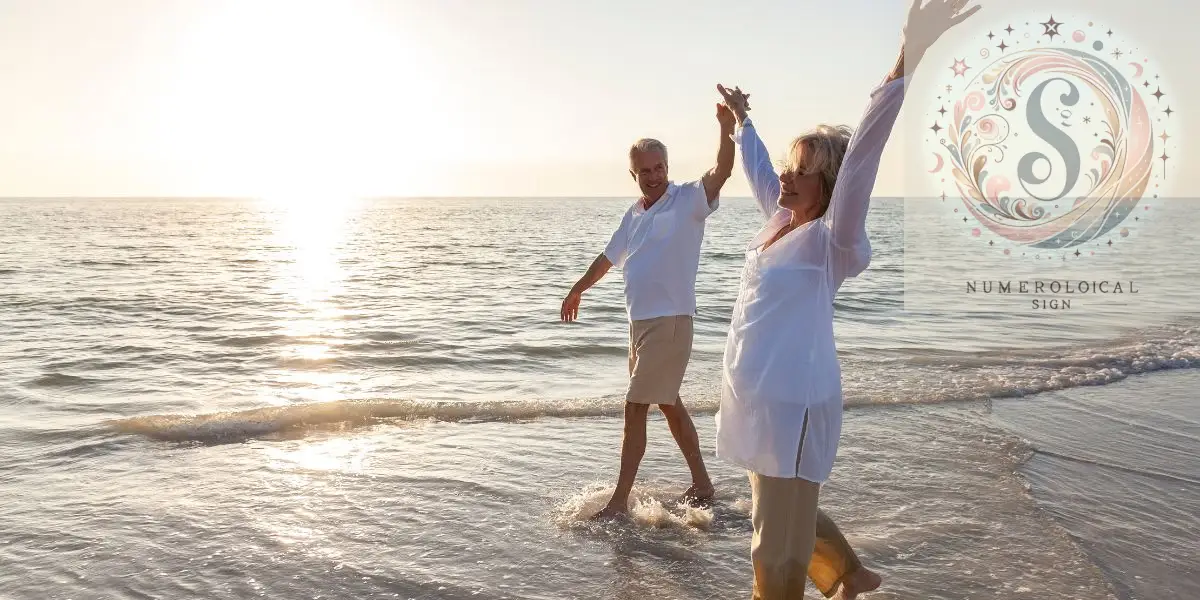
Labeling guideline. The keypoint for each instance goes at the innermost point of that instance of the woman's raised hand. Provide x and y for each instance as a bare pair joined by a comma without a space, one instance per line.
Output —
737,101
927,23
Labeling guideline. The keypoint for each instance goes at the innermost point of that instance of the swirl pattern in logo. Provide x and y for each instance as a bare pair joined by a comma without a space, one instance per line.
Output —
1052,147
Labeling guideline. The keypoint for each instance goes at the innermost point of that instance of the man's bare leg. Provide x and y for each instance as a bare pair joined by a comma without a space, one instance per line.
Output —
633,447
684,431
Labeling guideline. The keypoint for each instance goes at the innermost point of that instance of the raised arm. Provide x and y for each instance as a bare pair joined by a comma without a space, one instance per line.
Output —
756,162
856,179
847,212
716,177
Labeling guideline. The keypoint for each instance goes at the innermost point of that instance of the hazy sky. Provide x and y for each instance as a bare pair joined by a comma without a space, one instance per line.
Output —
446,97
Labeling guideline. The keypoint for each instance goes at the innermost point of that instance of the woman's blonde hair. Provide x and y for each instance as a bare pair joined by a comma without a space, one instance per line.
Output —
820,151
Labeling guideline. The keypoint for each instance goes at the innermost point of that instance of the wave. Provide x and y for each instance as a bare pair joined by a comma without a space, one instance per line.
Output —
567,350
936,378
1172,477
278,421
105,263
52,380
248,341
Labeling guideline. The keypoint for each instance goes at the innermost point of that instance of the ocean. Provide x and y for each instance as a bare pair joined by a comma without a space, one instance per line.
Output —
376,399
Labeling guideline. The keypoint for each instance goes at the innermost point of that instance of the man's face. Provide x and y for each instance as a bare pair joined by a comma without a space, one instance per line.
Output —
649,170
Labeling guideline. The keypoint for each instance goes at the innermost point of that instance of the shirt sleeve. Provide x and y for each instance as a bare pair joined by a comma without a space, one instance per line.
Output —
847,214
756,163
617,249
698,199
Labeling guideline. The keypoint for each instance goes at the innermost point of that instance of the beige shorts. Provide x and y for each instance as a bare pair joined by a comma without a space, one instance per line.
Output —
659,350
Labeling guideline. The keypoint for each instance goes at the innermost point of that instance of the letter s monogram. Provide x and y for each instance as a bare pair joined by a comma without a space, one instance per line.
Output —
1057,138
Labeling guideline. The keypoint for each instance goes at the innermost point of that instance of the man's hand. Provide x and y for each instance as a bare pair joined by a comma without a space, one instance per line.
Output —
737,101
726,118
927,23
570,306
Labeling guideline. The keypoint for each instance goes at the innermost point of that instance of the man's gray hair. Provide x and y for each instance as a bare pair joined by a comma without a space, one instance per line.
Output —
647,145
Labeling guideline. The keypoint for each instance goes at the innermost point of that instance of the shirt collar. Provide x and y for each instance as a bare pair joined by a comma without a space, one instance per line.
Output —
639,206
777,220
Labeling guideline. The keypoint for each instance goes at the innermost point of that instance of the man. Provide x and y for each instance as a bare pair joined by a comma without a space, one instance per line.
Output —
657,248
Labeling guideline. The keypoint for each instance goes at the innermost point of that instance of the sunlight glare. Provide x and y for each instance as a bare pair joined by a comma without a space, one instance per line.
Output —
291,98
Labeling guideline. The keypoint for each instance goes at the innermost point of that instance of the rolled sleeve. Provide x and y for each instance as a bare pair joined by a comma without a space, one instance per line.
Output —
617,249
697,198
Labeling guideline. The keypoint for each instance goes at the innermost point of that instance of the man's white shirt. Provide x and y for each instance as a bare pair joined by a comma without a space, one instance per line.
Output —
658,251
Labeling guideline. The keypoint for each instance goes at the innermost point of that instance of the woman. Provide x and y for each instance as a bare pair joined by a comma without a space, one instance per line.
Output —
781,406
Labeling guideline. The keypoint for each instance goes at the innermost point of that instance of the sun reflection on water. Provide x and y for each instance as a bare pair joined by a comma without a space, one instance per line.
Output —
309,242
345,455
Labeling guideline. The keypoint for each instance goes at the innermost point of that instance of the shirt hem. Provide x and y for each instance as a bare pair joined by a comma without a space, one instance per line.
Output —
656,315
749,467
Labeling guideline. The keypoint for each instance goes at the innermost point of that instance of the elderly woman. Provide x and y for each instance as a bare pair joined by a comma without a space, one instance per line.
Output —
781,405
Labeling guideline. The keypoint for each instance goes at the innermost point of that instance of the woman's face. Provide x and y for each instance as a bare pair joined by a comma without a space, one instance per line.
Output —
799,190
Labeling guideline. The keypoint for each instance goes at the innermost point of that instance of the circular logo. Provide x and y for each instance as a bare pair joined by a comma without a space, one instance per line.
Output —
1055,142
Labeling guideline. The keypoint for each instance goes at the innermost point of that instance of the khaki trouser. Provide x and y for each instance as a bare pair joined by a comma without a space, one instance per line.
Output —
793,540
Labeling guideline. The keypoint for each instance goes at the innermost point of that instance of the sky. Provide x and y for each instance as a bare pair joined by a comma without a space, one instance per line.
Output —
206,98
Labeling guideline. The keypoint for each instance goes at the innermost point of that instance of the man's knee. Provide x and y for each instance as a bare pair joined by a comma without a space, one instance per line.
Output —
636,410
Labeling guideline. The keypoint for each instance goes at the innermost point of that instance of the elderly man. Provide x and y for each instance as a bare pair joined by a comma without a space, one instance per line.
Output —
657,248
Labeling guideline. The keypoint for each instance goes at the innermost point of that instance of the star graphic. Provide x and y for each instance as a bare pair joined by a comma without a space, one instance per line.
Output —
1117,53
942,111
949,88
1002,46
943,196
1076,252
1158,93
1051,28
960,67
1109,33
1087,120
936,128
1164,137
991,35
1009,29
991,242
1169,111
1109,242
964,219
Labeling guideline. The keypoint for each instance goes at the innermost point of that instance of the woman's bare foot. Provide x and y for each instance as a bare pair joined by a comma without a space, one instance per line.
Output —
698,496
860,581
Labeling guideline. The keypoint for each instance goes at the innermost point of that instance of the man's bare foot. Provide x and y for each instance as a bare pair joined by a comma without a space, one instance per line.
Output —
697,496
859,582
611,512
